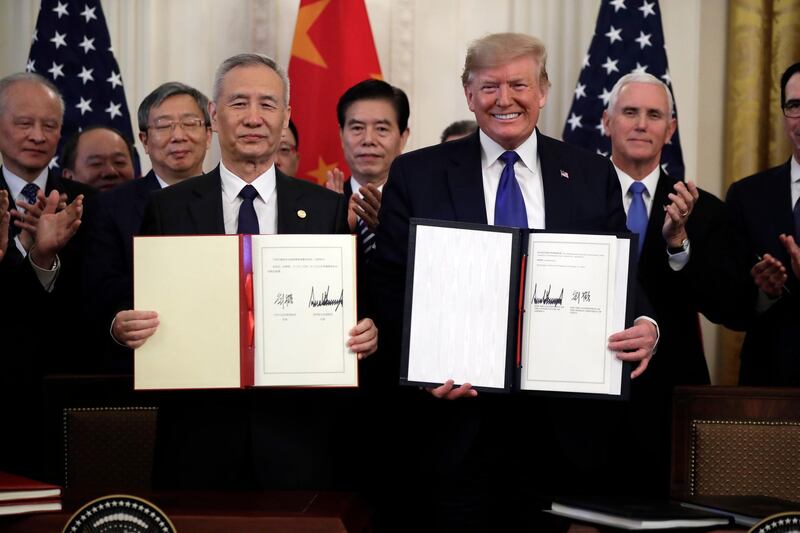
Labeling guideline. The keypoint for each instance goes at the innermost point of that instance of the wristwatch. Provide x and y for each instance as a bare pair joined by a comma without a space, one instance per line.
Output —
672,250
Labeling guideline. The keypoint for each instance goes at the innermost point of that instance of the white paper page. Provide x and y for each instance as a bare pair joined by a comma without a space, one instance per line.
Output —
569,311
304,295
193,284
460,306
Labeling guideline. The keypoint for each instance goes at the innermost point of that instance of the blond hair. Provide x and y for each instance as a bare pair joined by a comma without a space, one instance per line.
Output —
500,48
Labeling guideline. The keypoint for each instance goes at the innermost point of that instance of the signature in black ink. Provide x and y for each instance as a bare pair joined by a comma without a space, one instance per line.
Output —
546,299
283,300
325,301
581,296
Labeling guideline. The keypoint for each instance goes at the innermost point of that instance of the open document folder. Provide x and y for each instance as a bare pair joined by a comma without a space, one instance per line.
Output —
241,310
508,309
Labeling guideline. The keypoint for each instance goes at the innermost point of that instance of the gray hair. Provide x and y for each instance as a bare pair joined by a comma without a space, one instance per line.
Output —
167,90
30,77
248,60
639,77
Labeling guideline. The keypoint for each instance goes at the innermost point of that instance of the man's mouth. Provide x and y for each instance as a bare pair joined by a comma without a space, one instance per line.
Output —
506,116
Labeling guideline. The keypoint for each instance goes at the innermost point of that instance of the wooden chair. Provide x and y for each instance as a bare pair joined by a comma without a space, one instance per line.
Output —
736,441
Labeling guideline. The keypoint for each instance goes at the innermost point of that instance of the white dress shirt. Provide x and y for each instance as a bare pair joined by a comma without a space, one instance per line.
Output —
528,172
794,172
265,204
676,261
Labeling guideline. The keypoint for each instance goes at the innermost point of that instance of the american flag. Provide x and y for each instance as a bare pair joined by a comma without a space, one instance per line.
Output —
72,48
628,38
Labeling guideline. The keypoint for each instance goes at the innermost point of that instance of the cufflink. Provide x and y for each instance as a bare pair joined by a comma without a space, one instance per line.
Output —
301,213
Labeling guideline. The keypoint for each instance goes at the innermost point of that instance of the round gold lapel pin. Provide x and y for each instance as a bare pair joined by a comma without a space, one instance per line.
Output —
301,213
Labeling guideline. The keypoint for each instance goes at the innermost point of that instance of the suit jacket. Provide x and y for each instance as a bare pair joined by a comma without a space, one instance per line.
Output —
267,438
194,207
473,440
113,218
761,209
42,333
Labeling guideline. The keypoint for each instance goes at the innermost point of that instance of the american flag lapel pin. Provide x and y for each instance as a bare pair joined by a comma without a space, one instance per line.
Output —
565,174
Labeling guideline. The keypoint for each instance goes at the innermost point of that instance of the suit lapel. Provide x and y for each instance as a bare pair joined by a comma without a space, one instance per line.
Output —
146,185
653,240
557,187
465,180
779,198
205,209
289,203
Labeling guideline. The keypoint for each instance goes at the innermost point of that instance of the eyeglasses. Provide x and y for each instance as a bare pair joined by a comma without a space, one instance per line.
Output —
791,109
189,125
287,149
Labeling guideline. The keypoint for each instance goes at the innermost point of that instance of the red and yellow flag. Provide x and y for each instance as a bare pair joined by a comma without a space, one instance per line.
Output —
332,50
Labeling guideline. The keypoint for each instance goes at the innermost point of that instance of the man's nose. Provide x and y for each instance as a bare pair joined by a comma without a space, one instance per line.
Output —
503,96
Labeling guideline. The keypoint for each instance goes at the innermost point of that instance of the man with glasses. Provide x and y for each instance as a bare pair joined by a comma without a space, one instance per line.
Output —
288,158
175,129
765,216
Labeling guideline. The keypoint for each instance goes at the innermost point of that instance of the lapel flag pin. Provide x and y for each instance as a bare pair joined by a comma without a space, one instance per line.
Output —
301,213
564,174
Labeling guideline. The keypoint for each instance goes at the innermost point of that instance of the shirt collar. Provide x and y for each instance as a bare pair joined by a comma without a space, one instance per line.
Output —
163,184
650,181
232,184
355,185
794,170
15,183
527,151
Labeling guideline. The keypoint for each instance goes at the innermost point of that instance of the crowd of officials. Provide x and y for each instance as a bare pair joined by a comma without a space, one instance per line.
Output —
442,458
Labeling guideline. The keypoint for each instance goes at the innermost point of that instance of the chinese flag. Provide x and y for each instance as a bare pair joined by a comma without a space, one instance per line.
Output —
332,50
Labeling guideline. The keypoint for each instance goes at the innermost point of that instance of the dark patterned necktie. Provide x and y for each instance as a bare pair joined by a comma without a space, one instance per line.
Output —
29,192
365,236
509,205
248,221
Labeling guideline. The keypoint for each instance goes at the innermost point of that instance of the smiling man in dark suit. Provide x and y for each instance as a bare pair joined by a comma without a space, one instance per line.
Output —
684,250
211,438
509,174
175,129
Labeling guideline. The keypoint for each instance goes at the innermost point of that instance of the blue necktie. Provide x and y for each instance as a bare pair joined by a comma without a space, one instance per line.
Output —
637,212
29,193
248,221
509,205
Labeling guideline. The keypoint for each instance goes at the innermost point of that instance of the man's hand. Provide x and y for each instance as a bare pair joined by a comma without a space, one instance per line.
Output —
335,180
447,392
28,214
677,213
52,229
132,328
363,338
635,344
794,252
769,275
5,218
368,205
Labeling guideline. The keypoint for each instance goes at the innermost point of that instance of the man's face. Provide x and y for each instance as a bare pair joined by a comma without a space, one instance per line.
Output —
30,127
102,160
287,158
371,139
506,100
639,125
792,125
177,138
250,115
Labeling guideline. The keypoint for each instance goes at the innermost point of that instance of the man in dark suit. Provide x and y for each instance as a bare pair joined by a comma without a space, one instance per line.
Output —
39,331
237,439
684,243
98,156
175,129
507,174
765,214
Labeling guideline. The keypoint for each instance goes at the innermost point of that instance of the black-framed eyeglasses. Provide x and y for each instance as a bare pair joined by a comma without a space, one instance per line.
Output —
791,109
189,125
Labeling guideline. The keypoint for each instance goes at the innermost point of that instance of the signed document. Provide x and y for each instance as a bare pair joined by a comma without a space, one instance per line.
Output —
304,290
506,309
239,311
571,308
